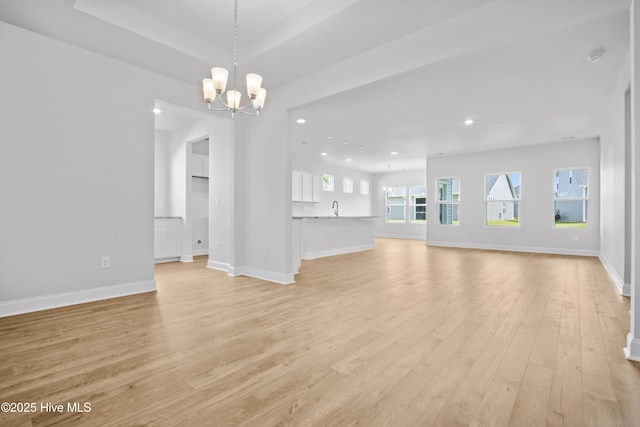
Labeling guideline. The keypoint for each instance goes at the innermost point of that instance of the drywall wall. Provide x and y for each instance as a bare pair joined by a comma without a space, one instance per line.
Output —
76,177
536,232
407,230
615,187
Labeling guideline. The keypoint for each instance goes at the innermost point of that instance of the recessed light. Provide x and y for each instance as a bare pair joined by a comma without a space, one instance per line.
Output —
394,152
323,154
328,136
362,147
469,122
301,121
595,56
157,110
348,160
303,142
345,142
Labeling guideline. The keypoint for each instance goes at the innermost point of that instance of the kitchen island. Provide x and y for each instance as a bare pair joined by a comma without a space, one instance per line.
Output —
321,236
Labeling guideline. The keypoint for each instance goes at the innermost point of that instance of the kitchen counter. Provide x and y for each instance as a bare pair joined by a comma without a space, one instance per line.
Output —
321,236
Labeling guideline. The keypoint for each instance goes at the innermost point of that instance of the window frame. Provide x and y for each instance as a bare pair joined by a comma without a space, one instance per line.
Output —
413,205
517,200
583,199
328,182
453,202
404,205
347,185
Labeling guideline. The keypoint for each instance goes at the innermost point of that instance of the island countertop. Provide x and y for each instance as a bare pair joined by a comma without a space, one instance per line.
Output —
333,217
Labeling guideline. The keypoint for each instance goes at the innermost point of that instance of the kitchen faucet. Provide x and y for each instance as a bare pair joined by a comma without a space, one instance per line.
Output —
334,205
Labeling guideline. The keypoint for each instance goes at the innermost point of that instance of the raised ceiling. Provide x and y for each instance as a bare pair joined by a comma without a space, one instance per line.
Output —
386,76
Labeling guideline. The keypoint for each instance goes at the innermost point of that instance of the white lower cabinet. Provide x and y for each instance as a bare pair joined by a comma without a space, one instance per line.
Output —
167,238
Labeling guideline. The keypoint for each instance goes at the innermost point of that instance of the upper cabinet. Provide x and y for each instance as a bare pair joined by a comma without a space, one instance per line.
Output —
306,187
200,165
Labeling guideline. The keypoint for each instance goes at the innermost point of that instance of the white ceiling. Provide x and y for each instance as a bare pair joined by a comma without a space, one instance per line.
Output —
382,76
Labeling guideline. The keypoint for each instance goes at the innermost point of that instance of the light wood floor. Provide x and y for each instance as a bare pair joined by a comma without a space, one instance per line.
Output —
403,335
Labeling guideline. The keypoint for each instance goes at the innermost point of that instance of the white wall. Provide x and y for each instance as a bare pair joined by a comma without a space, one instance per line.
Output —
350,204
536,232
221,163
76,172
162,174
405,230
614,174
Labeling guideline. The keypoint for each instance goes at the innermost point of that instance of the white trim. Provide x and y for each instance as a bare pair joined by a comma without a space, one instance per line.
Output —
186,258
162,260
202,251
399,236
257,273
217,265
46,302
340,251
632,350
555,251
623,288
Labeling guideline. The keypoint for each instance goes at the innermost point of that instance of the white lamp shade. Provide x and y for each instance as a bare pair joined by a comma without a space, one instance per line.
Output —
254,81
207,89
219,77
258,103
233,99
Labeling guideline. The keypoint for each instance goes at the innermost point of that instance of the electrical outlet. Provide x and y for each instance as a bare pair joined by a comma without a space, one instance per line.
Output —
105,262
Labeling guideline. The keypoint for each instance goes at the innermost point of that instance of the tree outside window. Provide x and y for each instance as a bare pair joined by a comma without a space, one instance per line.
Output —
327,182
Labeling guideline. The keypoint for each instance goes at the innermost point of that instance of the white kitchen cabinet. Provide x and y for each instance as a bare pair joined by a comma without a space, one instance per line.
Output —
316,190
296,186
306,187
200,165
167,238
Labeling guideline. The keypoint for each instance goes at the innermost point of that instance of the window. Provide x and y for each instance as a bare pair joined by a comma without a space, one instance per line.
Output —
502,195
364,186
327,182
396,204
571,197
418,200
347,185
448,200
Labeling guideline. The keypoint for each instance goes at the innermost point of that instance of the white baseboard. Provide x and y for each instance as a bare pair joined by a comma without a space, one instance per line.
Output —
623,288
554,251
632,350
400,236
217,265
163,260
257,273
186,258
332,252
202,251
46,302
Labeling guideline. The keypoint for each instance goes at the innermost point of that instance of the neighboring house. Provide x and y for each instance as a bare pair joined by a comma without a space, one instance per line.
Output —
572,184
501,190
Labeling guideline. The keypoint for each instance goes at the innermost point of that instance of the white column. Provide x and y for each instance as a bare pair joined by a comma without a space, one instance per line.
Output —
632,350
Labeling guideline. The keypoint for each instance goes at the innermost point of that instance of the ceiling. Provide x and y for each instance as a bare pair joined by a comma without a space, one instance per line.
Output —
383,77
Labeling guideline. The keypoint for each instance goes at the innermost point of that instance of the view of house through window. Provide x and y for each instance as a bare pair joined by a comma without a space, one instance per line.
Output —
418,201
571,197
502,195
327,182
448,200
396,201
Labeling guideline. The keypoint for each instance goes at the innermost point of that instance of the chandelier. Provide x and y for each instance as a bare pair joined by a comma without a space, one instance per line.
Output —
214,88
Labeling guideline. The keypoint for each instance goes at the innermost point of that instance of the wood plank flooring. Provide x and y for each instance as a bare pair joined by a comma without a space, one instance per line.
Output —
403,335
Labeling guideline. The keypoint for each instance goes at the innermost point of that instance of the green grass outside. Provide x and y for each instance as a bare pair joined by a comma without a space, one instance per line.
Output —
504,222
571,224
